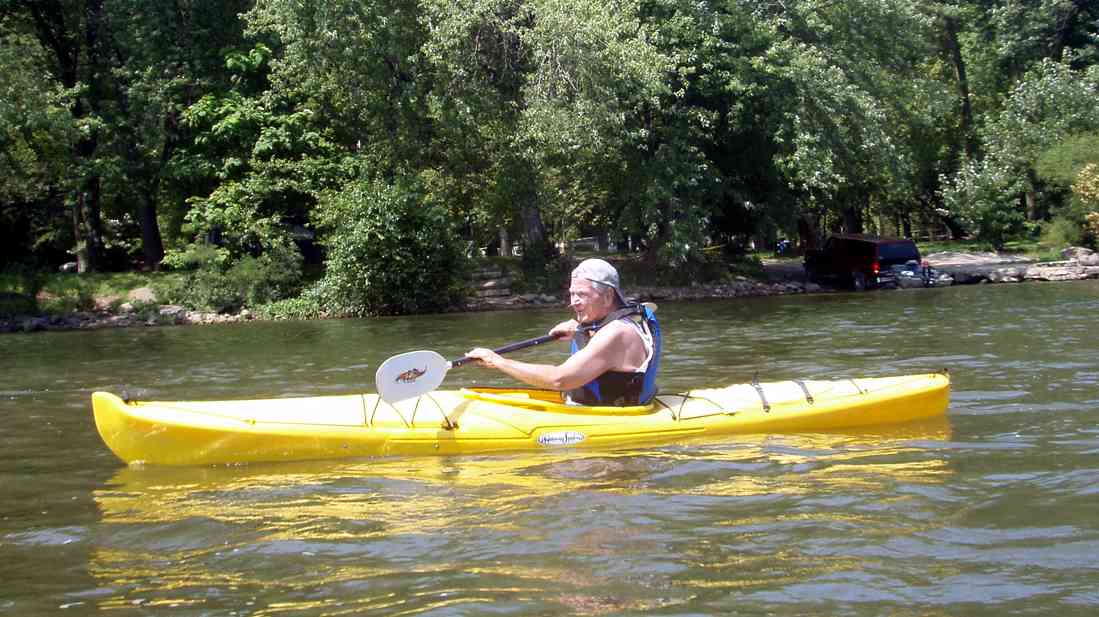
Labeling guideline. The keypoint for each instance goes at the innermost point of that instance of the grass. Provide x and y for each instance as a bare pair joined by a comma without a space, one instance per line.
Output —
58,292
1030,248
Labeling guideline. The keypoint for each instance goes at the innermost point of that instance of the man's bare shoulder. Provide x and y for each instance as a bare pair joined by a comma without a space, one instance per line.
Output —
617,331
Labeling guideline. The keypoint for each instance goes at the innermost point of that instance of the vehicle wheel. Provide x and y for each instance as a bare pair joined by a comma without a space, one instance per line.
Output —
858,281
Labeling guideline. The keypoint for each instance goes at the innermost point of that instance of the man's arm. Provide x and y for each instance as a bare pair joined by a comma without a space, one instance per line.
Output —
602,354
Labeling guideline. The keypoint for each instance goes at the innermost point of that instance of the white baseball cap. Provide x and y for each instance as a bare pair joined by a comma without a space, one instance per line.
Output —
601,273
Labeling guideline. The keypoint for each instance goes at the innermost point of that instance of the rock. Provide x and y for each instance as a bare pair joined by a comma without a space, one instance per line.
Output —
966,277
126,308
495,283
70,266
812,288
1056,273
1007,275
548,299
486,273
35,324
1076,252
491,293
104,303
172,310
142,294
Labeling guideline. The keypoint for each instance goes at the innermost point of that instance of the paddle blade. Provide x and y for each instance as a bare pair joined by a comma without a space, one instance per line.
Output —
409,375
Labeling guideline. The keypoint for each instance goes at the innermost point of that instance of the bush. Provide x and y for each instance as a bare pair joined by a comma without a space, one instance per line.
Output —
250,281
390,251
67,293
985,199
1061,232
1086,191
16,304
306,306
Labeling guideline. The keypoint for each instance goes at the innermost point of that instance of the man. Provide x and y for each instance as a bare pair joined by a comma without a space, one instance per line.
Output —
615,346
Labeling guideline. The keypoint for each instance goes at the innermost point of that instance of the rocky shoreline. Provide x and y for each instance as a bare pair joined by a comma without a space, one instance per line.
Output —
785,278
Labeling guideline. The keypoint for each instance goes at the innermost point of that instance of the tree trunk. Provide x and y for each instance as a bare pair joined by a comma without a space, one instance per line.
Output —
852,220
950,42
957,232
535,249
151,242
1065,26
807,234
78,235
505,242
93,224
1032,213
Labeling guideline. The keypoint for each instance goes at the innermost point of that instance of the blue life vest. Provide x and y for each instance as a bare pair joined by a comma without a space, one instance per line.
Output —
620,388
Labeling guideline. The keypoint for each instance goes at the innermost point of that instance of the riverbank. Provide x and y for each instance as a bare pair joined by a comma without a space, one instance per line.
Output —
783,277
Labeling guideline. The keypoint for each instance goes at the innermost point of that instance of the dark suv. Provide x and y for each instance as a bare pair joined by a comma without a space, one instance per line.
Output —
860,261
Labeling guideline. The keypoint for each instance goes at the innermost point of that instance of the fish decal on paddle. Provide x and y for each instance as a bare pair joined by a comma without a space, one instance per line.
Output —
411,375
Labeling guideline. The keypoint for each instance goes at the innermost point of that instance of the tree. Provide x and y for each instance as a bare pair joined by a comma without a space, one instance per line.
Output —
997,193
37,135
73,33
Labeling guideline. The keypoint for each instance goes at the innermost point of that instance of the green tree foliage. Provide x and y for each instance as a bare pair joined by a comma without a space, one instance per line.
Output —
993,194
677,124
37,134
390,251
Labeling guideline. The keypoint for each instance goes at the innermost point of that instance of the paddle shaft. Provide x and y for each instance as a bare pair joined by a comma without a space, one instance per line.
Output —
531,342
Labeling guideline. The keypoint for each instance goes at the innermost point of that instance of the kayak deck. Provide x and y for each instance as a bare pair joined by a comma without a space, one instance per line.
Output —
490,420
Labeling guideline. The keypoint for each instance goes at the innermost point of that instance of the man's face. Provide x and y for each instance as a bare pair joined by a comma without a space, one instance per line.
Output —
590,301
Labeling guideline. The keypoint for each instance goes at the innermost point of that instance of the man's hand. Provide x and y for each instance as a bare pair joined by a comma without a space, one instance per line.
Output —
564,330
485,357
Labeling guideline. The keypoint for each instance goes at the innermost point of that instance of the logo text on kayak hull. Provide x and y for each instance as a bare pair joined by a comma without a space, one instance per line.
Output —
561,438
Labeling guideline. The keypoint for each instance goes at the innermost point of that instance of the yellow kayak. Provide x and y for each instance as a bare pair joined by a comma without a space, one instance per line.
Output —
488,420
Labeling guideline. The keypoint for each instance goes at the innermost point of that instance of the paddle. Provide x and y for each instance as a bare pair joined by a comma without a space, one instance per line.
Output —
416,373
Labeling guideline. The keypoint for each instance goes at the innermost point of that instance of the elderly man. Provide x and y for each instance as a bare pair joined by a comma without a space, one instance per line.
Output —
615,346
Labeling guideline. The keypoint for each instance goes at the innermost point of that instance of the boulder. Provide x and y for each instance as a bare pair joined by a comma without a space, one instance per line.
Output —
142,294
104,303
968,277
1007,275
1076,253
495,283
35,324
1056,273
174,313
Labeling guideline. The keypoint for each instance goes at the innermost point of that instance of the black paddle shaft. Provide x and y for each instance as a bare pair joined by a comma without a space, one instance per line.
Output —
531,342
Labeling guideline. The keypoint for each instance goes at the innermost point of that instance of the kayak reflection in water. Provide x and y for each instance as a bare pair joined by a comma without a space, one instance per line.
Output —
615,345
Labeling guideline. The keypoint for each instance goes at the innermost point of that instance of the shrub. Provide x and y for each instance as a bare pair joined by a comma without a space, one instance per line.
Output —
1093,227
390,251
218,285
15,304
985,199
1061,232
306,306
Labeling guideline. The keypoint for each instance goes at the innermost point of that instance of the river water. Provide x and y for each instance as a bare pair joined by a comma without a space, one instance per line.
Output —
994,511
